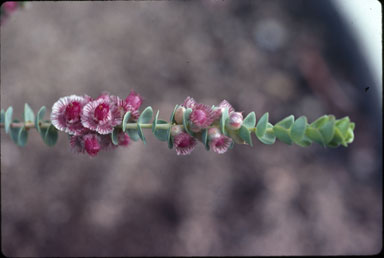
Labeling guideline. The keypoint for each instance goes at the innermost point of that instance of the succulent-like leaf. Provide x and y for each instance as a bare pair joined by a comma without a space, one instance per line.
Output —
268,137
14,132
133,134
145,116
2,116
261,126
245,135
314,135
29,115
320,121
204,137
161,134
186,115
286,122
125,120
298,129
173,114
250,120
282,134
8,119
51,136
170,140
223,121
328,130
114,136
154,123
39,116
140,133
22,137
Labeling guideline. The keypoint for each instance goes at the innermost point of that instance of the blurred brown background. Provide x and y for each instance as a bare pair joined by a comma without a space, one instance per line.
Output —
284,57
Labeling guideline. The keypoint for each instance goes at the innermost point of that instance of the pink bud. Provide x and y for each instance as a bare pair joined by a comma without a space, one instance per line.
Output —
235,120
179,115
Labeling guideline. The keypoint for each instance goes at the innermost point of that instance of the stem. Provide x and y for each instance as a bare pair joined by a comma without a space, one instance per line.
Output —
29,125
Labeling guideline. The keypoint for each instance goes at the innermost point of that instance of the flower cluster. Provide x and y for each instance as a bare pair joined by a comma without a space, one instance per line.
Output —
89,122
203,117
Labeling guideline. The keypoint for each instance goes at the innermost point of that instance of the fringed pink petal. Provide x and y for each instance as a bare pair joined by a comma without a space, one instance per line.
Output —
202,115
189,102
225,104
184,143
220,144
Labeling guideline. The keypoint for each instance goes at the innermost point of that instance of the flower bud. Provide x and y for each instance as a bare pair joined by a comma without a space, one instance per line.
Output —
213,133
179,113
176,130
235,120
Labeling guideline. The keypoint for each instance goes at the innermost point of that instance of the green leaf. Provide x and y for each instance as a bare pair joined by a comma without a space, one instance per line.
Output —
223,121
125,120
314,135
14,132
140,133
337,139
186,115
2,116
154,123
286,122
170,140
350,136
320,121
268,137
145,116
234,134
39,116
298,129
114,136
304,142
245,135
133,134
8,119
29,115
22,137
173,114
262,125
250,120
204,137
51,136
282,134
161,134
343,125
328,129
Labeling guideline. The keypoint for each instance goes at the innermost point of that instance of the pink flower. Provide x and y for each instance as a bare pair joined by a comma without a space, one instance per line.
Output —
202,115
134,100
101,115
90,143
66,114
184,143
220,144
124,107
